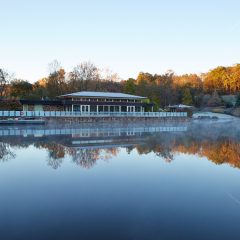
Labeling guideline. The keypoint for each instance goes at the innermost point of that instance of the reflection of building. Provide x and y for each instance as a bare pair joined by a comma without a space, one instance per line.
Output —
87,131
105,137
91,102
87,144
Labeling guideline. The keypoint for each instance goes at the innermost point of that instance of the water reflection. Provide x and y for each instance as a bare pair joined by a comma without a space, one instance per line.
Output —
87,144
5,152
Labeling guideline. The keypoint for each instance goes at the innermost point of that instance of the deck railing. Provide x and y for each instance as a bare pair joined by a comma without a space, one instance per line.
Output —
90,132
89,114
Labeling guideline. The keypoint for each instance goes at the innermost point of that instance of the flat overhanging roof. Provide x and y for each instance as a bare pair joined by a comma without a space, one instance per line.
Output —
102,94
66,102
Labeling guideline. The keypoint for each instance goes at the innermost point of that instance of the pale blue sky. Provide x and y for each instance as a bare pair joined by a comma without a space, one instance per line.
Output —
128,36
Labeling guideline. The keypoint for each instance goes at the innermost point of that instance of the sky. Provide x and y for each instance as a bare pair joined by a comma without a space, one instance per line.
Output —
127,36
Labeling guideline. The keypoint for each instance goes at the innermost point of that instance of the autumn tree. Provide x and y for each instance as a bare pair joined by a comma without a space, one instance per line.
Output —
192,81
39,89
146,77
165,88
235,78
223,79
216,79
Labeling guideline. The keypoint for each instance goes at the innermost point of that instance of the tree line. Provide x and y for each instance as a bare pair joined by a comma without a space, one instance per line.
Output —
162,89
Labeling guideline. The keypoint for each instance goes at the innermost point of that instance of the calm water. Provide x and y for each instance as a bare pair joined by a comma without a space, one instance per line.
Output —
126,182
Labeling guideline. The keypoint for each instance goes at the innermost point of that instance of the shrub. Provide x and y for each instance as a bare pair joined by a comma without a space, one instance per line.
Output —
10,105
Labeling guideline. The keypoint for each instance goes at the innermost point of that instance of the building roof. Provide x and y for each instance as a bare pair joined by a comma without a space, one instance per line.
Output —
180,106
102,94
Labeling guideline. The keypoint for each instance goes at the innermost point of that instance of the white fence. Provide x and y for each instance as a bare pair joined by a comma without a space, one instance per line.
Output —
89,132
89,114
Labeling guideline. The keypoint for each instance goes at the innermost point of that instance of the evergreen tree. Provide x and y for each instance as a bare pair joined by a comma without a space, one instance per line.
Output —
187,97
130,86
238,101
215,100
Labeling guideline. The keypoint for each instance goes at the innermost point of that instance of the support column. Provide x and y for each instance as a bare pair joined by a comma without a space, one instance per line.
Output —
152,108
72,105
97,109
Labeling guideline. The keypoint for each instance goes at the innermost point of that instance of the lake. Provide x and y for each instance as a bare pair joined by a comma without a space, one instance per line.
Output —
161,181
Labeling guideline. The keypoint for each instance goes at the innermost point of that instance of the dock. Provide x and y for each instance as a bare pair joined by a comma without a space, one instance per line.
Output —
68,116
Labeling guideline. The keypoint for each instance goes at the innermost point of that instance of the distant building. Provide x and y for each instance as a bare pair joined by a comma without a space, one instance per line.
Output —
91,102
181,108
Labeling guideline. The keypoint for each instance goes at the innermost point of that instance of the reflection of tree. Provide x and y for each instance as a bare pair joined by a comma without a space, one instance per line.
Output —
215,143
129,149
5,152
160,146
164,153
56,153
55,163
84,157
87,157
110,153
221,151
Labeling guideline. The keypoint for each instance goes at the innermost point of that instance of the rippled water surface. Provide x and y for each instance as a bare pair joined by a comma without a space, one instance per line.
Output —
163,181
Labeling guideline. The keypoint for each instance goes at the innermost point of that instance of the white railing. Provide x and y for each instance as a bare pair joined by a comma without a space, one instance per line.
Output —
89,114
89,132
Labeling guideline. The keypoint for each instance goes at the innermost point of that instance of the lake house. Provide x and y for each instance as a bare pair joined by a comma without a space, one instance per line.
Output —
88,102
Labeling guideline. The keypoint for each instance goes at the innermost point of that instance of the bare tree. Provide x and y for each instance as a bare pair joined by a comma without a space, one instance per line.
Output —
109,75
84,76
5,78
54,66
56,81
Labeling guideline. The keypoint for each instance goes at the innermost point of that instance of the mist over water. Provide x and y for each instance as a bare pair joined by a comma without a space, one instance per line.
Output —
124,181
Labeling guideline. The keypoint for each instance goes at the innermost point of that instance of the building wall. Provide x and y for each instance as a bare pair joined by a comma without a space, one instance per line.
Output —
53,108
37,107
